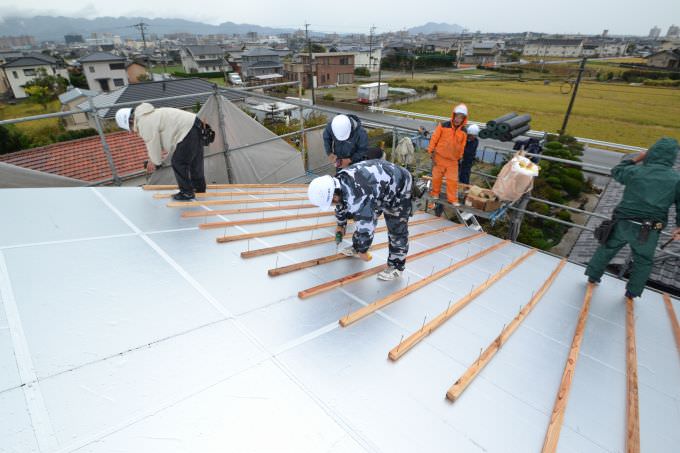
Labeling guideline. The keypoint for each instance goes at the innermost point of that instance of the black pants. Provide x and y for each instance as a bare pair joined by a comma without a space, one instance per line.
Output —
187,162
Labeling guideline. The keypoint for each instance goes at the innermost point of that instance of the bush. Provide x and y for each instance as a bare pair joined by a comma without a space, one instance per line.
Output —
364,72
328,97
572,186
563,214
554,145
12,139
661,83
74,135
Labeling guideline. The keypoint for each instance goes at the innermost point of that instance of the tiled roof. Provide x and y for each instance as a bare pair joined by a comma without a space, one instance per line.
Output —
101,56
25,62
204,50
84,159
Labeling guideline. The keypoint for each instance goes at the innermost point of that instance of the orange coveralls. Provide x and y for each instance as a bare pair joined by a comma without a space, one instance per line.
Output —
448,145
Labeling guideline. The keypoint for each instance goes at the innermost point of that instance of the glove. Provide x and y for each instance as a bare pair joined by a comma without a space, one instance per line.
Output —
338,237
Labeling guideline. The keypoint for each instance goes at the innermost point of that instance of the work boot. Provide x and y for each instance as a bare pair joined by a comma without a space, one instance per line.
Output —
388,274
439,210
594,281
181,196
350,251
630,295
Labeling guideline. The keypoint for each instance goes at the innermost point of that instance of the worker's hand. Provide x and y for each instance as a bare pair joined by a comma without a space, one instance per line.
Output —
332,158
365,256
150,167
640,157
676,234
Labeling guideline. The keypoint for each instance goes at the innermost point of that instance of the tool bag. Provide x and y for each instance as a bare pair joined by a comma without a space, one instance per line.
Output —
604,230
207,134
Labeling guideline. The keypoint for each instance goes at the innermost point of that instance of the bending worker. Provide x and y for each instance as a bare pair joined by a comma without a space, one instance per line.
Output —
169,129
345,140
651,188
364,191
446,149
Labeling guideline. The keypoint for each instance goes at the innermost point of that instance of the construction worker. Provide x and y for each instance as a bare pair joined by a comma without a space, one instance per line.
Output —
471,144
651,188
169,129
446,149
345,140
364,191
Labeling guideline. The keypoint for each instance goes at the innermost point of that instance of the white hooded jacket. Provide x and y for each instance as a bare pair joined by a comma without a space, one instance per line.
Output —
161,128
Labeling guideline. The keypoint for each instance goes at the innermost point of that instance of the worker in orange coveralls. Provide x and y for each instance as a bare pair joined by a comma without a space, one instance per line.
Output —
446,149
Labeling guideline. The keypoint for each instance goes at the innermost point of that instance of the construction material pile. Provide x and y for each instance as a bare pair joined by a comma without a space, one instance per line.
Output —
506,127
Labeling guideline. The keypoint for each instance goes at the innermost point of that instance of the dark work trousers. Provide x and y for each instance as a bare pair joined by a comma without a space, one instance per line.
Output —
187,162
465,164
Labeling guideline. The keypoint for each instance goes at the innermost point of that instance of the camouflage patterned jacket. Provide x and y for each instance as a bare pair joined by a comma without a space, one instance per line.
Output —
370,188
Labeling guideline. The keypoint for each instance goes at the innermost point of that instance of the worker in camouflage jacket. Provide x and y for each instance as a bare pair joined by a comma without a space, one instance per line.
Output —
363,192
651,189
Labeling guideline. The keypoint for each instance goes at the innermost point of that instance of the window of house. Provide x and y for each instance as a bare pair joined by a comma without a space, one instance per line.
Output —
114,66
14,73
118,82
344,60
91,68
29,72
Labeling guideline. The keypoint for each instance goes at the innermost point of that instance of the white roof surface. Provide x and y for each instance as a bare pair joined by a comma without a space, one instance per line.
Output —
125,328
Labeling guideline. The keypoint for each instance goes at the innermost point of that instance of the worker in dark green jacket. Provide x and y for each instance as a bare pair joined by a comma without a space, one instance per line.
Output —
651,189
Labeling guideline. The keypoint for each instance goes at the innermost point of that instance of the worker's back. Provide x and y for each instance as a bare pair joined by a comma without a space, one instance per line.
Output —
651,188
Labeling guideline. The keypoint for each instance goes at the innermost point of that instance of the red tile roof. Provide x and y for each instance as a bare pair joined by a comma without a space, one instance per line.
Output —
84,159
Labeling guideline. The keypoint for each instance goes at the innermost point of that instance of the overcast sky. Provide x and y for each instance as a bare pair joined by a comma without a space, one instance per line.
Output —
553,16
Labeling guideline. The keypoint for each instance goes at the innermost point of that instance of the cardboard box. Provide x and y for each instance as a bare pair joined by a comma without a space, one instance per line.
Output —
483,203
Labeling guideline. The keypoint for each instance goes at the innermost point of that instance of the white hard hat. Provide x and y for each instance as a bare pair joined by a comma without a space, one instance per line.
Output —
473,129
123,118
461,108
342,127
321,190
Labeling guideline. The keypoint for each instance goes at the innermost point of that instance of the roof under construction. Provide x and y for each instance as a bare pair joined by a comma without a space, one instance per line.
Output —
126,326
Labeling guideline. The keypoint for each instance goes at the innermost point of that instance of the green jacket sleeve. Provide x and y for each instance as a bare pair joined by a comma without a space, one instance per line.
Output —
624,170
677,204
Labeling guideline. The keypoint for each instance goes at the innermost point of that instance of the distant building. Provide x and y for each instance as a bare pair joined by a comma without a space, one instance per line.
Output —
666,59
553,48
73,39
104,71
655,32
259,62
17,42
19,71
70,101
484,53
673,32
203,58
364,56
604,48
332,68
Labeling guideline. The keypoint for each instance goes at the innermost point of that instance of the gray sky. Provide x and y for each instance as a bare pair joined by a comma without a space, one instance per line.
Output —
575,16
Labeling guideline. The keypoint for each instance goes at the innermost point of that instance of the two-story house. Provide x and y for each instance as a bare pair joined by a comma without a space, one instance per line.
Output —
19,71
329,69
205,58
104,71
261,63
364,56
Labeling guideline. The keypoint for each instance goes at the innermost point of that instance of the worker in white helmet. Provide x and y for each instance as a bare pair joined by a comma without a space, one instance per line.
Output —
465,164
364,191
173,131
345,140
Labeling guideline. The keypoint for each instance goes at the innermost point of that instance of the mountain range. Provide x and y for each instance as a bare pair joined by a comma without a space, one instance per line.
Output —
53,28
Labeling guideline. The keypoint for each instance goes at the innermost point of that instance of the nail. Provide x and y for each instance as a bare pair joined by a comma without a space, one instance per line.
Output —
424,319
400,341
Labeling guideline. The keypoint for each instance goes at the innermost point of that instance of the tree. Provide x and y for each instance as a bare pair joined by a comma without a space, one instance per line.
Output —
45,88
143,77
318,48
78,80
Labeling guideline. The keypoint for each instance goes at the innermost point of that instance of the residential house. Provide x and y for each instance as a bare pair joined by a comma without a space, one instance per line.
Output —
135,70
203,58
670,44
296,71
667,59
19,71
71,100
568,48
332,68
104,71
261,63
484,53
604,48
364,56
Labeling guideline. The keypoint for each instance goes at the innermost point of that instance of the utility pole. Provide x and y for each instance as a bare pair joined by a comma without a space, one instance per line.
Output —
379,74
573,96
142,28
370,50
311,71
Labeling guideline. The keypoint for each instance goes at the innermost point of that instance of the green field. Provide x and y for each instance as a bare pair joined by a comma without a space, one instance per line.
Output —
632,115
158,69
25,108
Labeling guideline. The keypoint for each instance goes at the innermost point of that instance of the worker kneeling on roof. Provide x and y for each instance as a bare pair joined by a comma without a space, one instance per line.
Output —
364,191
651,188
169,129
345,140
